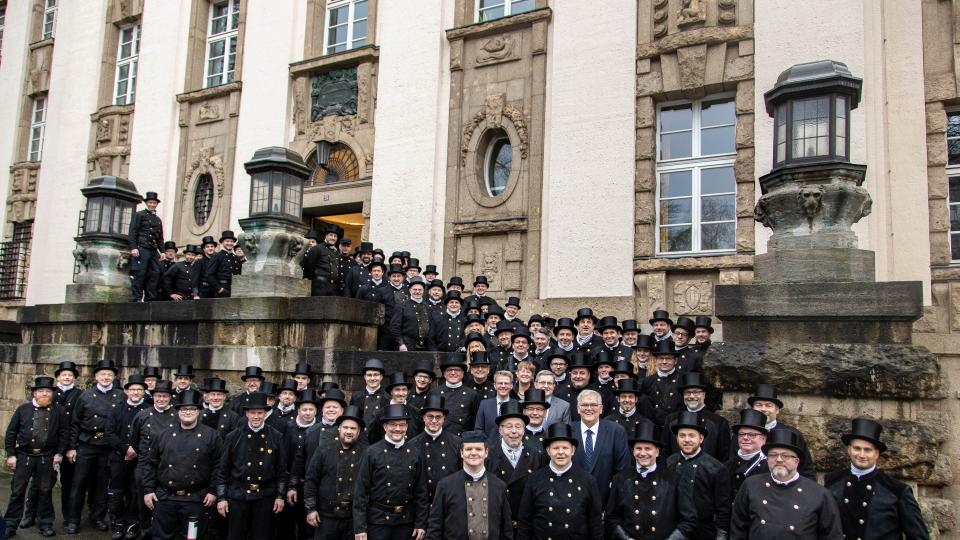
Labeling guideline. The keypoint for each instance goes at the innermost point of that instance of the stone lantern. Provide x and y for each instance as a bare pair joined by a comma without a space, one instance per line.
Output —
103,247
272,238
813,195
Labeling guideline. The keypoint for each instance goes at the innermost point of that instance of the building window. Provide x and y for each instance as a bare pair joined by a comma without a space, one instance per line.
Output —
3,20
488,10
49,18
38,122
14,260
128,52
222,43
346,25
203,199
953,172
696,188
497,166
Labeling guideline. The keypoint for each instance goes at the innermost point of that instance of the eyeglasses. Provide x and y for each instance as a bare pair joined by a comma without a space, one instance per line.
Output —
589,405
749,436
778,456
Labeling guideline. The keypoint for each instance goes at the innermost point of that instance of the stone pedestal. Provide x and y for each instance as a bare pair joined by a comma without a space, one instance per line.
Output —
104,270
273,248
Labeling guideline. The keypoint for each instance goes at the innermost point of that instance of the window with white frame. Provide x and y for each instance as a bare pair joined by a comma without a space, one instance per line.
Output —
346,25
696,187
49,18
222,43
488,10
38,121
953,177
128,51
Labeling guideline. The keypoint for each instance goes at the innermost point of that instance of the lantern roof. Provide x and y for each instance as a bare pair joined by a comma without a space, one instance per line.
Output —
814,78
277,158
112,186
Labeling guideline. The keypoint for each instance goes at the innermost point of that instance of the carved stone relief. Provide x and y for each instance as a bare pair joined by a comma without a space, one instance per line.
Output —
499,49
334,93
38,75
206,161
493,112
727,15
691,12
693,297
208,112
22,200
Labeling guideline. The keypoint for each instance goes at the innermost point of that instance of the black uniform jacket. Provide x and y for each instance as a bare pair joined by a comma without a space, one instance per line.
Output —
446,332
448,515
175,469
253,465
664,394
441,456
391,488
224,420
891,511
716,442
146,230
767,510
322,262
90,415
330,477
462,402
648,508
643,411
375,432
532,459
806,467
314,437
23,435
706,482
410,322
179,279
740,469
148,425
370,403
120,428
560,507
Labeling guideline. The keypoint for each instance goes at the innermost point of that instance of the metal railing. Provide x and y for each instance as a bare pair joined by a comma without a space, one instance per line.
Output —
14,259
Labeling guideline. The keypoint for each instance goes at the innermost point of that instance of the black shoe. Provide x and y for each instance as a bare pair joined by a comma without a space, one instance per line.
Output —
72,528
133,531
47,532
101,525
10,533
27,522
116,530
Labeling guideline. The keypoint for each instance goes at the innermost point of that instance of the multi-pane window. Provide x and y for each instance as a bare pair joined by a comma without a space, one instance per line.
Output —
222,42
346,25
128,51
49,18
487,10
953,173
38,121
696,188
3,20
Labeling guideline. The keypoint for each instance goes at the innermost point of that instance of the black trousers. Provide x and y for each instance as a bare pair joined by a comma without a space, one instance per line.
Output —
389,532
92,471
40,469
292,522
250,519
121,492
334,529
171,517
66,484
322,287
146,274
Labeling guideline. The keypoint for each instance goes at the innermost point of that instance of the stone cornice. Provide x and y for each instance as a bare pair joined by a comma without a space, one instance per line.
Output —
327,62
712,262
25,165
499,25
709,36
112,109
486,226
207,93
42,43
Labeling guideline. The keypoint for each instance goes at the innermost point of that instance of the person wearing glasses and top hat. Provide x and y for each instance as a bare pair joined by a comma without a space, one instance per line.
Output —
252,379
662,385
461,401
436,445
398,387
689,359
146,239
871,503
148,425
751,434
423,378
785,503
122,496
372,398
765,400
693,390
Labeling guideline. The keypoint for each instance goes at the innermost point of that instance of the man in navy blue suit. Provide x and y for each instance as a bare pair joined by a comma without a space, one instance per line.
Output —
603,449
489,408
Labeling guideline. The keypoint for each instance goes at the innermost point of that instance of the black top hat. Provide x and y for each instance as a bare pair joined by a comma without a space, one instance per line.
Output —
395,269
472,318
481,279
269,388
227,235
703,321
691,420
135,378
193,248
502,326
684,323
558,353
162,387
188,398
394,412
752,419
783,438
184,370
396,255
628,325
414,263
151,196
436,283
425,366
512,409
645,341
365,247
608,322
624,367
378,252
560,431
66,365
256,400
398,379
565,322
585,313
405,254
522,332
417,280
328,385
495,309
549,321
604,357
627,386
43,382
373,364
866,430
354,413
105,364
661,315
453,360
535,396
343,242
536,317
452,295
303,368
308,395
472,305
455,280
312,235
580,359
434,402
471,337
170,245
207,240
473,437
665,346
430,269
289,384
692,380
765,392
512,301
479,358
333,394
252,372
151,371
645,431
214,384
376,263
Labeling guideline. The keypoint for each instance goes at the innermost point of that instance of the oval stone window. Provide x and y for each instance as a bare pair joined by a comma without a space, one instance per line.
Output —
498,164
203,199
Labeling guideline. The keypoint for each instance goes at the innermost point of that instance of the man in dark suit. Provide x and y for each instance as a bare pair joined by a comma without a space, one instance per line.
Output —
490,408
471,504
603,444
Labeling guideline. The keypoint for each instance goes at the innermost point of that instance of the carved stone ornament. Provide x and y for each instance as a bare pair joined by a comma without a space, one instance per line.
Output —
205,162
334,94
494,110
691,12
299,112
490,265
693,297
104,130
727,15
208,112
21,203
659,18
104,275
499,49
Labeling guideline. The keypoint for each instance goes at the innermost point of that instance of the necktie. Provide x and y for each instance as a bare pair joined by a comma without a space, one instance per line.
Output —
588,449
